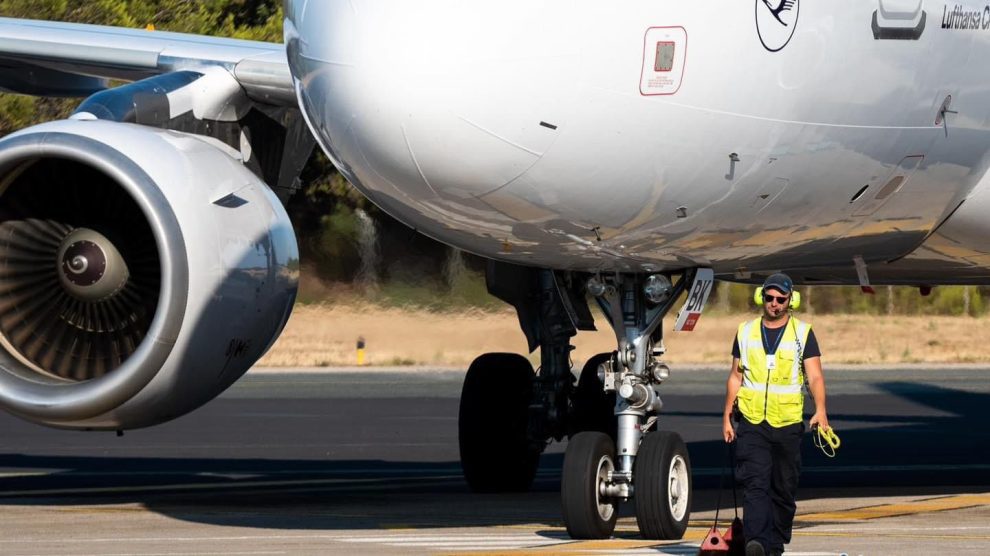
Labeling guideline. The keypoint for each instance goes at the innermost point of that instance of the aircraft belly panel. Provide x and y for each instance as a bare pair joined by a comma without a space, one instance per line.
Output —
657,201
961,244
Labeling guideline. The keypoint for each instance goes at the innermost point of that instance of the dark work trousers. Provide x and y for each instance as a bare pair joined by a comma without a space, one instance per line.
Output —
768,463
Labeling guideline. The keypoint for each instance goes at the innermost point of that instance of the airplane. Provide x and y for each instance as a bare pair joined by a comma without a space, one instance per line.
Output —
595,154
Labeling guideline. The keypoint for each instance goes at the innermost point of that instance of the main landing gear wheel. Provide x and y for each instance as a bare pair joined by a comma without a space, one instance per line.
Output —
593,409
496,454
662,481
588,512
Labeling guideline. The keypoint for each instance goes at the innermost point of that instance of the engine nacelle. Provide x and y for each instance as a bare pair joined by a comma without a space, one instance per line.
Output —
142,272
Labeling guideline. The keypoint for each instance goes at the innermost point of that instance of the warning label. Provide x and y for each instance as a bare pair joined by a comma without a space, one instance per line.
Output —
690,321
664,54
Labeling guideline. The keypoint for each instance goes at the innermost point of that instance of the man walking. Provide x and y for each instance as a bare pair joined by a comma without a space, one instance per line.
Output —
772,357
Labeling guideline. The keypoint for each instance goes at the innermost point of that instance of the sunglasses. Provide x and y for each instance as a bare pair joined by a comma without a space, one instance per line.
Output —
767,298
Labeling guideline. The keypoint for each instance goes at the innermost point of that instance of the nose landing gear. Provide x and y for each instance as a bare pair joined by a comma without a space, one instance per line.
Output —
509,413
648,465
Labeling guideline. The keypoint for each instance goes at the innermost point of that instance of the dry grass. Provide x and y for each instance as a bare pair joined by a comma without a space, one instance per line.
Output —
326,336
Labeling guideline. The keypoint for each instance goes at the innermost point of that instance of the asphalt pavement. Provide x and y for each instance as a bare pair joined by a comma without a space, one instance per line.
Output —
318,460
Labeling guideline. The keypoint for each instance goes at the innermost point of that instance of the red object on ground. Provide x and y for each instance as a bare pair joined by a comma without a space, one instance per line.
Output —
714,544
735,538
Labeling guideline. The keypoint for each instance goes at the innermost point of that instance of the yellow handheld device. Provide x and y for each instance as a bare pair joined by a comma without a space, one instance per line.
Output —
826,440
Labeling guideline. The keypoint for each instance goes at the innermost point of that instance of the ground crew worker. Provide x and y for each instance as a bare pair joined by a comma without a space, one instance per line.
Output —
772,357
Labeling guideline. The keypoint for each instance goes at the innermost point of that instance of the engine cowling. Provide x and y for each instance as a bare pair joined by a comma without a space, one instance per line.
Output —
142,272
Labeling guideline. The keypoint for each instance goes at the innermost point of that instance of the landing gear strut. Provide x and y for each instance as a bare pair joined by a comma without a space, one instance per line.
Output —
611,456
651,465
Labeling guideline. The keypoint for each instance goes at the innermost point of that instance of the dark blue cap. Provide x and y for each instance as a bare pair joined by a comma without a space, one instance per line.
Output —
779,281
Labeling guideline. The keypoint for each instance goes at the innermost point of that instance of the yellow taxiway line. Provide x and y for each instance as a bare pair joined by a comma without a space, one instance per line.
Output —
938,504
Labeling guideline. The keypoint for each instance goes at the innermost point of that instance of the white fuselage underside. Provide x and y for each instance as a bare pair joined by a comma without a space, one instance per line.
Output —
650,135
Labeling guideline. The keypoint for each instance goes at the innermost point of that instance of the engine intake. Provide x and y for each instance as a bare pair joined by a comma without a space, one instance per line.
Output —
74,303
132,289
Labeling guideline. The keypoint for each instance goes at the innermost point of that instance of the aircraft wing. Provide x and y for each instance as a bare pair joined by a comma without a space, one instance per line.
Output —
47,58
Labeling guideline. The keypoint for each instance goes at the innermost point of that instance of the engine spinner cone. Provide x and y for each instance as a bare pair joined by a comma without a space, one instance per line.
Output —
91,268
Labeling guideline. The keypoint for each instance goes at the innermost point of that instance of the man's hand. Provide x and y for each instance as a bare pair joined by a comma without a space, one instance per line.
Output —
728,432
820,419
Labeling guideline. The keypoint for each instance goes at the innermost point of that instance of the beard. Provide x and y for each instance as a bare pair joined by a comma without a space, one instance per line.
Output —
770,316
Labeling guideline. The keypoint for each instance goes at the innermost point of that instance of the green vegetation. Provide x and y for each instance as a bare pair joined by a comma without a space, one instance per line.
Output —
888,300
433,294
244,19
470,291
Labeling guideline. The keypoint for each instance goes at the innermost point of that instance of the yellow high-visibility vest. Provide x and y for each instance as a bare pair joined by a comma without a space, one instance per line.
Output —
775,395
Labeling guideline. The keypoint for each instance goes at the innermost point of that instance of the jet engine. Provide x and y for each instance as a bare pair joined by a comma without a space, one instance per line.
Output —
142,272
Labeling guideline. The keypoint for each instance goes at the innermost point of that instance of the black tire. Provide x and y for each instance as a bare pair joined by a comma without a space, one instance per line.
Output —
589,457
662,477
496,455
593,409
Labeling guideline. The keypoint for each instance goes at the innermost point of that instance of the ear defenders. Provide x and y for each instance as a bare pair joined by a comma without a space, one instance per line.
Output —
795,303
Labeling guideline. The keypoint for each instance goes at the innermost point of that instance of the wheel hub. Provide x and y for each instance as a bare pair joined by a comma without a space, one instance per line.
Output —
605,506
677,477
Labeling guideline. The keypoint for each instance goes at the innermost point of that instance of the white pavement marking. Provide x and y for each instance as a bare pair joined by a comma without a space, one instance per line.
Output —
178,539
673,550
461,542
458,546
914,529
688,549
439,538
224,553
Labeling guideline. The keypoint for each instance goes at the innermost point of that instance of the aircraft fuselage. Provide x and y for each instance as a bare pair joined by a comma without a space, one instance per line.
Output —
655,135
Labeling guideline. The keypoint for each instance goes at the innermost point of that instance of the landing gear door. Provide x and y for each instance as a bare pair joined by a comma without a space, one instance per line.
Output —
690,313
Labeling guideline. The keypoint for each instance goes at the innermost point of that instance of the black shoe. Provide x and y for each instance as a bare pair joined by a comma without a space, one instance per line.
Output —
754,548
777,552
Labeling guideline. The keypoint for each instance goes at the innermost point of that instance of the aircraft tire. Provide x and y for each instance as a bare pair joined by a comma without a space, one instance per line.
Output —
590,456
496,455
593,409
662,477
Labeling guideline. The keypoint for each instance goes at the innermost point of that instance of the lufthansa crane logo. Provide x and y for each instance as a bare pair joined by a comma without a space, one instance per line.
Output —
776,21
